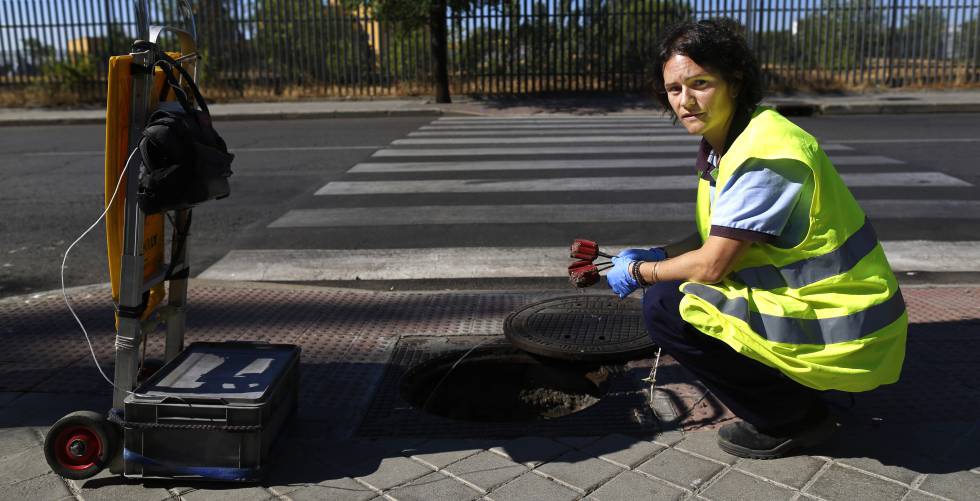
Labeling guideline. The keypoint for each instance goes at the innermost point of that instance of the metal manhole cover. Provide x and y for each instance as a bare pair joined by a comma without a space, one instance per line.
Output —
582,327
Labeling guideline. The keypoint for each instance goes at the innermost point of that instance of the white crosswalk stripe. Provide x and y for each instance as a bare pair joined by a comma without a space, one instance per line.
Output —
499,262
634,132
534,164
538,119
616,163
553,139
652,127
626,183
521,165
689,149
580,213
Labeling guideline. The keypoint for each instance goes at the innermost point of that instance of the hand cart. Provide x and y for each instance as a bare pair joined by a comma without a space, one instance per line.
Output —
212,410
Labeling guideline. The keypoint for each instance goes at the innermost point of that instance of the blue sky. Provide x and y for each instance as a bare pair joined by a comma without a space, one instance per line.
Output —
57,21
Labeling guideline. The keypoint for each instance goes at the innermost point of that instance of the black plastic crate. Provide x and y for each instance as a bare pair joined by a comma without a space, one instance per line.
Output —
211,413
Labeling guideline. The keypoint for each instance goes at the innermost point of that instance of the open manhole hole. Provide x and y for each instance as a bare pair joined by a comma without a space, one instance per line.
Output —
501,385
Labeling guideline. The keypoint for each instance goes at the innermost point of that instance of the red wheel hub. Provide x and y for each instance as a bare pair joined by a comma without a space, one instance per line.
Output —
77,448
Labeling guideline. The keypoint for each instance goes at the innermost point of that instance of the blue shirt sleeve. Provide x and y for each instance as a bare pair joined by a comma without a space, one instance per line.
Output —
759,198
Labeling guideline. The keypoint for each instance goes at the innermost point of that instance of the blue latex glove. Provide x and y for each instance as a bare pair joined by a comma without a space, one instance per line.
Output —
654,254
619,278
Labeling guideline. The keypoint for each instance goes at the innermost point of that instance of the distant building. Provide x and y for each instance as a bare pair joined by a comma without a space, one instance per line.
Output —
83,45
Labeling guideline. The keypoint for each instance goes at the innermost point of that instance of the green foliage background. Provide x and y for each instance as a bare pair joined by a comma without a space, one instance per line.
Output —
286,44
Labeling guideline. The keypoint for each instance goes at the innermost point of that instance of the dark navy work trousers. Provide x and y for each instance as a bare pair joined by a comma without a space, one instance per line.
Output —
755,392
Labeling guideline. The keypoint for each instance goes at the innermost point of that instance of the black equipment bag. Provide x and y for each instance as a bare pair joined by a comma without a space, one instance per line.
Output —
185,161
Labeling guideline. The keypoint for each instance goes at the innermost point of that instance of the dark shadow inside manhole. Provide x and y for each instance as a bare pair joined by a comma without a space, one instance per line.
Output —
502,384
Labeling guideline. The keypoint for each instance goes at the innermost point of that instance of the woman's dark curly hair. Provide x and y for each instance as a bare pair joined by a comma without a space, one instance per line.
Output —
717,45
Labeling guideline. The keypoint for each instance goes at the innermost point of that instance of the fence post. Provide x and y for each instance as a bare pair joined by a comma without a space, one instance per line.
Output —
889,61
749,28
438,44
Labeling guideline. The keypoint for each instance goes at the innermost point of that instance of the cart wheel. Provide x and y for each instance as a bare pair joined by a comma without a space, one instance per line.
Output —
80,445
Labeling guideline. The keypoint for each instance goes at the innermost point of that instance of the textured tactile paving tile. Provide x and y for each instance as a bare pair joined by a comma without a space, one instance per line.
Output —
681,402
349,336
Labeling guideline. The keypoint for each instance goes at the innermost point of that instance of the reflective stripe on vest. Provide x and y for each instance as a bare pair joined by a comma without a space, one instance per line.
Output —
808,271
819,331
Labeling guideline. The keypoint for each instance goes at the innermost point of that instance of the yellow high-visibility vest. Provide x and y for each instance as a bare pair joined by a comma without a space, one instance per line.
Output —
827,313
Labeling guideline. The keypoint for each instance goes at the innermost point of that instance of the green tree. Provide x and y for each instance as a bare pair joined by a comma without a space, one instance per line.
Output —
968,42
37,54
70,72
572,39
833,38
301,42
643,25
221,44
412,15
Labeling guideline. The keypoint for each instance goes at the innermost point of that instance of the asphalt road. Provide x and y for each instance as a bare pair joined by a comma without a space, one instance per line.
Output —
52,191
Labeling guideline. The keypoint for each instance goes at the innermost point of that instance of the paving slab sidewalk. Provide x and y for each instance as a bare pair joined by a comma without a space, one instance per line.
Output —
917,439
931,101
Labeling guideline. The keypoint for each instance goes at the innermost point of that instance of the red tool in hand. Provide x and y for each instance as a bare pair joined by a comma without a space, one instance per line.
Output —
584,272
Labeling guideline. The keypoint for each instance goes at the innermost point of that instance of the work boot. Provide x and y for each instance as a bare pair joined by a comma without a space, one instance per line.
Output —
744,440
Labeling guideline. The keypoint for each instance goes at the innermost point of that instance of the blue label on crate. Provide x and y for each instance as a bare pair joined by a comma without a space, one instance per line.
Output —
209,472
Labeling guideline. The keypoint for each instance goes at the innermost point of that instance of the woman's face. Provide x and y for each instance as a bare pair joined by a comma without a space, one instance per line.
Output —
703,102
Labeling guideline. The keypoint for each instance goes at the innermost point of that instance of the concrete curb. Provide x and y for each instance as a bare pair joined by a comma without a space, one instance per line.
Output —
326,114
103,288
100,119
905,108
808,107
792,107
13,122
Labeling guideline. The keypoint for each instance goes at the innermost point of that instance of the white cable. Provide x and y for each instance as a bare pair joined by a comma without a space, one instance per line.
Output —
65,261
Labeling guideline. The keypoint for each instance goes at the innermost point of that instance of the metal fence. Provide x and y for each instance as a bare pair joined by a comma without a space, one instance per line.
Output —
313,48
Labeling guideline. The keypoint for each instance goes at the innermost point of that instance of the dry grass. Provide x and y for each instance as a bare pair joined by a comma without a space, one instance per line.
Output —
44,95
301,93
37,96
874,76
910,77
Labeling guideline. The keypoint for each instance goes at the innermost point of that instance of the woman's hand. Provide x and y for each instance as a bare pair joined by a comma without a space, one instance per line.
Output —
654,254
621,281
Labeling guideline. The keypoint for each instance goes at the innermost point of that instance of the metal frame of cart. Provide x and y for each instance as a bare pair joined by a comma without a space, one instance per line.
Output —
83,443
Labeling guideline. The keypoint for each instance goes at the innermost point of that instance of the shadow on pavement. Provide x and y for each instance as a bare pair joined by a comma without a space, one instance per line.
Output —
925,423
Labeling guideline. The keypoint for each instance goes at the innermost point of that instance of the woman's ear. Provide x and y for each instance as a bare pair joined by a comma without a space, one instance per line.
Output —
736,85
